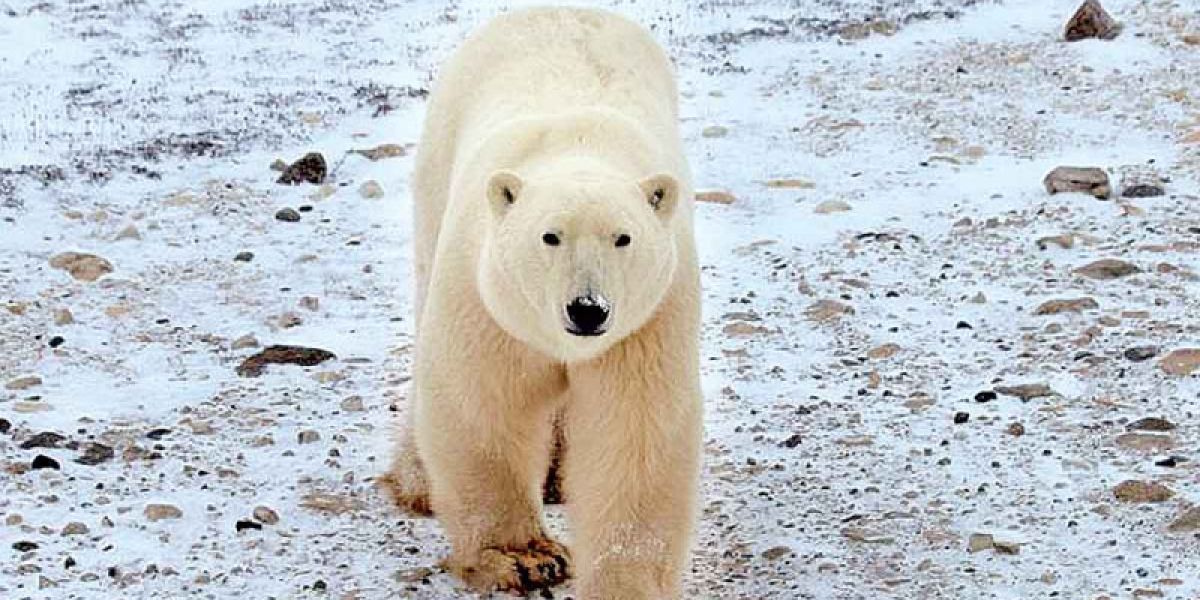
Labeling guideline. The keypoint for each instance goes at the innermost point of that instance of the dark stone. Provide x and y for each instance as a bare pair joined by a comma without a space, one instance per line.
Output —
283,355
42,461
45,439
1151,424
985,396
1141,353
57,341
5,426
961,417
244,524
95,453
288,215
309,169
24,546
244,257
1091,21
792,441
158,433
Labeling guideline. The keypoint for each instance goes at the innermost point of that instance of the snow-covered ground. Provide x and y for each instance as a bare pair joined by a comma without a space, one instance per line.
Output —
881,266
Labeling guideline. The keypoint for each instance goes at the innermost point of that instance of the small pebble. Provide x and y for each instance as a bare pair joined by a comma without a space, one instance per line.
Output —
287,214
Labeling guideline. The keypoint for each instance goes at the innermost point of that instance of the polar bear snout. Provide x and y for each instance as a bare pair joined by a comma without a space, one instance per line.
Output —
587,315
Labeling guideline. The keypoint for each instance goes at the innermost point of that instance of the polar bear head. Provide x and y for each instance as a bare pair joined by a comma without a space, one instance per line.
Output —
574,261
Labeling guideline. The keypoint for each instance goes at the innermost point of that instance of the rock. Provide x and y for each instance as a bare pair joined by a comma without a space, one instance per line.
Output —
289,320
323,191
1074,305
883,352
790,184
243,257
1088,180
715,197
1065,241
978,542
741,329
1026,391
42,461
331,503
714,131
1145,442
265,515
308,437
244,524
776,553
45,439
829,207
23,383
130,232
370,190
1108,268
353,404
28,407
310,303
81,266
199,427
1187,522
858,534
1015,429
5,426
1142,491
961,417
159,512
858,31
288,215
94,453
823,311
381,151
279,165
794,440
1151,424
985,396
1141,353
63,316
24,546
1141,184
1181,362
283,355
246,341
1091,21
309,169
1007,547
75,528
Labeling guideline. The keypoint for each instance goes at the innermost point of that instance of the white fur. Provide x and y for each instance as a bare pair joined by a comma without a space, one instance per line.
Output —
562,121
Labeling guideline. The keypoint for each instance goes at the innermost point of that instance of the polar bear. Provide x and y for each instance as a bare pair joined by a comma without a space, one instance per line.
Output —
556,275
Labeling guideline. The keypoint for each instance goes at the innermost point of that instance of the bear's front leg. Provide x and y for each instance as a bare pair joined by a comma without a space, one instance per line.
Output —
634,424
485,447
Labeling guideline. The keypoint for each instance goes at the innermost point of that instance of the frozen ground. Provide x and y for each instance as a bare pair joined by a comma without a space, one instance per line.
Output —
839,344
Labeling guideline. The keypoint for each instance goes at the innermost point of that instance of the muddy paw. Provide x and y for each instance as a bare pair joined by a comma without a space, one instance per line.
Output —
540,564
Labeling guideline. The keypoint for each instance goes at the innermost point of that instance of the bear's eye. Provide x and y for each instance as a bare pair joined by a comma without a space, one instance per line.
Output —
623,240
550,239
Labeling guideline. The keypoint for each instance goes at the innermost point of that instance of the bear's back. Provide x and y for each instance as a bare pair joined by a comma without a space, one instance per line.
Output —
548,60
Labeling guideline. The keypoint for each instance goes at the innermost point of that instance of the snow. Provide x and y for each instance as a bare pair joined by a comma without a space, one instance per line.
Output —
166,116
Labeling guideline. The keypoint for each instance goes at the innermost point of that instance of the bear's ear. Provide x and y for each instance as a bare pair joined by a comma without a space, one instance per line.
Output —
503,187
662,192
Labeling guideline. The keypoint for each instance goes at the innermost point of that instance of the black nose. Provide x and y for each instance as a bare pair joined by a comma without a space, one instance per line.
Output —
587,315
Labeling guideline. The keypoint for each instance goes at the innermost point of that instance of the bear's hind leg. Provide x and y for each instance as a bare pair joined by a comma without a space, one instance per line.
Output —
405,481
